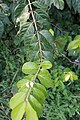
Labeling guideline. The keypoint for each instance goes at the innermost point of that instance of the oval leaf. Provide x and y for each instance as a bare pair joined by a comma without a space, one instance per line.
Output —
46,64
74,44
35,104
17,99
47,35
24,81
18,112
41,87
45,78
39,95
30,112
30,68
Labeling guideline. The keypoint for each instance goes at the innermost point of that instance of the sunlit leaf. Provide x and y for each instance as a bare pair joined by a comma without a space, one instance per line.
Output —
46,64
18,112
30,112
45,78
23,82
17,99
74,44
30,68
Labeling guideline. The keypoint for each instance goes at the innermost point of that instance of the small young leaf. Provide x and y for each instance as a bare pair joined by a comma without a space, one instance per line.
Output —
51,31
30,112
30,68
17,99
45,78
67,76
18,111
46,64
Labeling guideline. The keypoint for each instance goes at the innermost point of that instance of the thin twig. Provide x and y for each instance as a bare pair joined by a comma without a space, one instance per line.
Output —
36,28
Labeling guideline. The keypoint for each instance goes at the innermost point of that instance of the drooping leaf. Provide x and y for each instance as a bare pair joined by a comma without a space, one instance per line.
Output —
75,4
26,34
5,8
58,3
45,78
18,111
17,99
19,8
30,68
24,16
47,35
30,112
41,87
39,95
35,104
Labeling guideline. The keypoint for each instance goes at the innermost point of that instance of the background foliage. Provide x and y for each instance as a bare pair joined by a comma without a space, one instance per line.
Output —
63,101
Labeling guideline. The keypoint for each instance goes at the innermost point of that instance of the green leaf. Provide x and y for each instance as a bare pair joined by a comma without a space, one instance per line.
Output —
51,31
73,76
45,78
39,95
19,8
30,112
23,89
58,3
24,16
35,104
5,8
41,87
77,37
75,4
46,64
25,33
47,35
1,28
74,44
17,99
69,3
30,68
67,77
18,112
24,81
